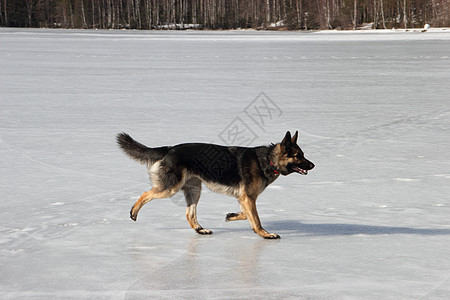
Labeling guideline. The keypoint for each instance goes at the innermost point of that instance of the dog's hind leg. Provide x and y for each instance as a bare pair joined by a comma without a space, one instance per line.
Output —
235,216
154,193
192,190
248,206
167,181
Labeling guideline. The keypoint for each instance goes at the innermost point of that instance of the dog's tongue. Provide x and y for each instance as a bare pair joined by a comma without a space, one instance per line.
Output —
301,171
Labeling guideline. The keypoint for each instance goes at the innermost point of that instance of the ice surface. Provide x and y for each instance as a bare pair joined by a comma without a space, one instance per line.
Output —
371,221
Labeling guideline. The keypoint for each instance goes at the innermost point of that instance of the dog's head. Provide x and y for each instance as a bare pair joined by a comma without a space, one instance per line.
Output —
291,158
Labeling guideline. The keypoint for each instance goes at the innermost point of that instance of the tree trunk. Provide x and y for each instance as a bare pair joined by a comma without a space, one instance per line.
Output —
6,11
327,7
93,13
405,18
83,15
108,14
382,14
72,24
29,4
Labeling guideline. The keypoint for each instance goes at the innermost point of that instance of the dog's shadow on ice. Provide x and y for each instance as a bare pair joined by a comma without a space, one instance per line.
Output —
336,229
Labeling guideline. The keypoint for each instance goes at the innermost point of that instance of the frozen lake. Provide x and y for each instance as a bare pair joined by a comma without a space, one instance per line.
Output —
371,221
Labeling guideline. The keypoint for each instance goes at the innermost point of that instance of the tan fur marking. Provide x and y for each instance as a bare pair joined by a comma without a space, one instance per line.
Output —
248,207
192,191
155,193
276,155
281,159
256,186
191,216
146,197
222,189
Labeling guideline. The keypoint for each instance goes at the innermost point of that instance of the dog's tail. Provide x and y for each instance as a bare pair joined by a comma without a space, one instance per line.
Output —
139,152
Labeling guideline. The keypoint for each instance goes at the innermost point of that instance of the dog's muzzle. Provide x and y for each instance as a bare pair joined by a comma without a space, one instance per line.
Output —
305,170
300,171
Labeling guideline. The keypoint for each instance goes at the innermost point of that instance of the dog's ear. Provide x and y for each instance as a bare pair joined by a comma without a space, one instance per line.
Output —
287,140
294,138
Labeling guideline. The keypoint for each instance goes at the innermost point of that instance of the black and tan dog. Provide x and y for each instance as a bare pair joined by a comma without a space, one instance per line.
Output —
236,171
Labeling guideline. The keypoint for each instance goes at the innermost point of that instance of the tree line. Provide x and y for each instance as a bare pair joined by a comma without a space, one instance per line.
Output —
225,14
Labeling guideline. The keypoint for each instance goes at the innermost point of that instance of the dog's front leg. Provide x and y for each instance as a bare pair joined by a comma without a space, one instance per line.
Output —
248,207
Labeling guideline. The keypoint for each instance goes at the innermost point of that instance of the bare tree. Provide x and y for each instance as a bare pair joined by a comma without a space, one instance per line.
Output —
405,18
30,6
382,14
83,14
224,14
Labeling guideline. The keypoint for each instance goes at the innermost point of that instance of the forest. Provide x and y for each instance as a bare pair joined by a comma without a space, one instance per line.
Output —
225,14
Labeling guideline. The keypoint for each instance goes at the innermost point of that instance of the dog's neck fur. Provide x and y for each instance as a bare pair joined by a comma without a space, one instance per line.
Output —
268,161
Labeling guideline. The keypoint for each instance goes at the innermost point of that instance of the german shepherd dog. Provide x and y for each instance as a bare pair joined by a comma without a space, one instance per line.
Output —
241,172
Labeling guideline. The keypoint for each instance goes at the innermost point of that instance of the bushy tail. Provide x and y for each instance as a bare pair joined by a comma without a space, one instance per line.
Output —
139,152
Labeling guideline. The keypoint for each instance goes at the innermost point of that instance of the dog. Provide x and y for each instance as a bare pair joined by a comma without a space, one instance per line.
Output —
242,172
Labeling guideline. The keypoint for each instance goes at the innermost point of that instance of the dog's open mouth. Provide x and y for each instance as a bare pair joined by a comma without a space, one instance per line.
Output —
300,171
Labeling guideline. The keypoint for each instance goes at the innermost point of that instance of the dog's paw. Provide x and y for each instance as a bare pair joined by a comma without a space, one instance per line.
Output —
133,216
203,231
235,217
272,236
231,217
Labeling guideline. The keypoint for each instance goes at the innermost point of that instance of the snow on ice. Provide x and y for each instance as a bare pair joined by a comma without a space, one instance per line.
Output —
371,221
